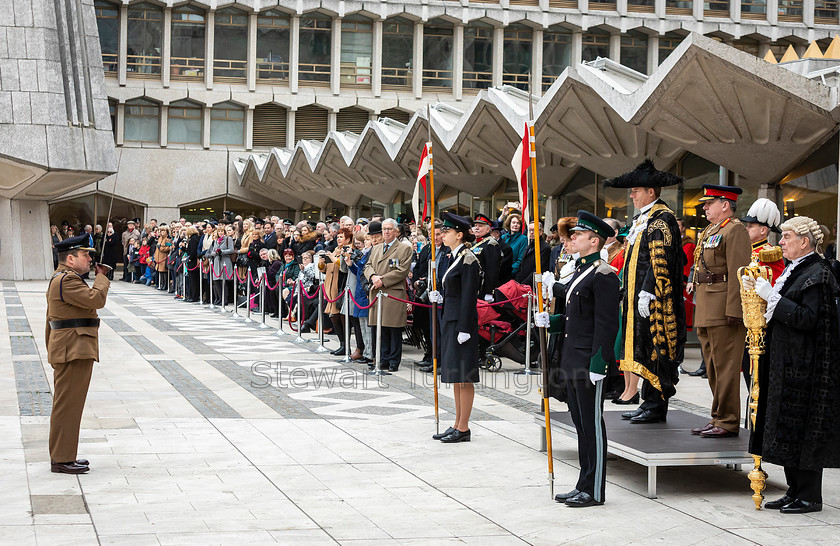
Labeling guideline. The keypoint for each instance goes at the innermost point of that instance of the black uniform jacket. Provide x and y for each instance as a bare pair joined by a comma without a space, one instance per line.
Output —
590,323
490,258
459,286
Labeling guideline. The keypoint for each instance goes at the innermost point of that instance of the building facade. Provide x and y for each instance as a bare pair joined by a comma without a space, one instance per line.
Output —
201,92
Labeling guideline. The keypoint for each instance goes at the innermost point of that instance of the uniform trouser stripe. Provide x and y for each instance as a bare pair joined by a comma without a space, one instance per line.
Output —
599,443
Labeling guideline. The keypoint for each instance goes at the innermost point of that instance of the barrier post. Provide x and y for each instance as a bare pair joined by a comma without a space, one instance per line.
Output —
235,314
200,284
263,288
347,303
321,348
248,296
210,285
299,338
280,331
527,369
377,370
224,290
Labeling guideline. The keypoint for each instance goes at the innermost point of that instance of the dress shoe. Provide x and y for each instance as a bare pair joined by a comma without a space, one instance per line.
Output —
648,416
424,362
274,315
698,430
305,329
717,432
69,468
701,371
357,355
612,395
339,352
440,435
83,462
779,503
630,414
394,368
561,497
621,402
426,369
582,500
801,507
456,436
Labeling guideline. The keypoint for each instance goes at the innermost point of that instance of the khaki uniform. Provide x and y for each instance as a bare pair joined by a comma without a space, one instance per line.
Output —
71,352
393,266
721,250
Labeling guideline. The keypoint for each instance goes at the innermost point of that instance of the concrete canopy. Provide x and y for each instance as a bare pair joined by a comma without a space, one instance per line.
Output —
727,106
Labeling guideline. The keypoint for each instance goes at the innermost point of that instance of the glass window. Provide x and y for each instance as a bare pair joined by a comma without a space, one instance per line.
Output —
142,121
813,195
145,31
227,124
397,52
437,54
108,24
273,45
579,193
790,10
557,54
184,123
667,44
478,56
516,56
315,44
230,44
608,5
188,30
112,110
678,7
825,12
754,9
634,51
356,50
596,43
718,8
746,44
640,6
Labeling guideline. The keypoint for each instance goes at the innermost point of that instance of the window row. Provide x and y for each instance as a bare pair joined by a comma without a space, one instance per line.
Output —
185,123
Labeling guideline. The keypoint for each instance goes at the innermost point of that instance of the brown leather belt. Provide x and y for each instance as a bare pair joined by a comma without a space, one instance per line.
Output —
710,278
74,323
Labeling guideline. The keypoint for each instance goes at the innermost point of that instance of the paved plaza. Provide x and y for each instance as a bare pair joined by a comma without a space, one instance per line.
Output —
204,429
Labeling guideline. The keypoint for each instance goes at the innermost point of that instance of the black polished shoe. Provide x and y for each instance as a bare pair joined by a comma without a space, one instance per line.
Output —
305,329
69,468
801,507
393,368
630,414
612,395
634,400
440,435
456,436
582,500
424,362
426,369
339,352
646,417
701,371
779,503
83,462
561,497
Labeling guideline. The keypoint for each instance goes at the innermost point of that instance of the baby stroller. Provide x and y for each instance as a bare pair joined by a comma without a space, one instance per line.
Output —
501,328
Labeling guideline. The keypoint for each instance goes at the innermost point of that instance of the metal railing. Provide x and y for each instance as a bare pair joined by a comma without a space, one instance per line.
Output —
229,70
516,79
275,71
396,77
186,68
441,79
110,62
477,80
142,66
314,73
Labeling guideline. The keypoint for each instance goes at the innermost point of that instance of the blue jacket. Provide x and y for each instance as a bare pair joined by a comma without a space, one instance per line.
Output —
360,295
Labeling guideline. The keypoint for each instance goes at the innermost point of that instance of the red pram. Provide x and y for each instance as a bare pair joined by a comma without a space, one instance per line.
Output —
501,328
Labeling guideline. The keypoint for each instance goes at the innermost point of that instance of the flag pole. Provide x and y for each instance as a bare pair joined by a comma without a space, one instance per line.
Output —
433,267
532,153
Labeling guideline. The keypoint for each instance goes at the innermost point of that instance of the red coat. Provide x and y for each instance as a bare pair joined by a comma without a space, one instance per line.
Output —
144,255
688,248
777,266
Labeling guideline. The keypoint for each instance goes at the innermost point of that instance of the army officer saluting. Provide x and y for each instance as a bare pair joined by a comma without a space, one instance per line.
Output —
72,337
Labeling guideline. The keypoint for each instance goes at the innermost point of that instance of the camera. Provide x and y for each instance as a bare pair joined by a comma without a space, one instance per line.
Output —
421,291
355,254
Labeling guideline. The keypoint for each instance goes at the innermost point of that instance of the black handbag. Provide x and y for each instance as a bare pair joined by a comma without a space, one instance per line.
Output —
242,260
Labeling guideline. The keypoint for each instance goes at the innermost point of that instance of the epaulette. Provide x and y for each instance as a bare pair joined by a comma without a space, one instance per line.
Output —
604,268
468,257
770,255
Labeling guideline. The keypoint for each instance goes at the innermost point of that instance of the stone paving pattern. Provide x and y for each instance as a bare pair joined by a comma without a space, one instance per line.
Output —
203,429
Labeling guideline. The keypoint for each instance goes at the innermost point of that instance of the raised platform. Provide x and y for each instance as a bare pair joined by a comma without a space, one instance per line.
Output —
660,444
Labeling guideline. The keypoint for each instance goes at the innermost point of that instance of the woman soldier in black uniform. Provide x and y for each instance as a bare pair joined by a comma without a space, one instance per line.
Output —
459,323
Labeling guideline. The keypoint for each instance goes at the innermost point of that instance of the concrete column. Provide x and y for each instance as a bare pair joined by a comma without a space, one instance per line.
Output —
735,10
332,119
537,62
659,8
205,127
773,11
120,137
417,61
294,54
808,13
290,128
376,76
123,58
26,249
164,125
615,47
621,7
252,52
583,6
697,9
210,34
458,62
166,54
652,54
577,48
552,212
498,55
335,57
249,128
763,48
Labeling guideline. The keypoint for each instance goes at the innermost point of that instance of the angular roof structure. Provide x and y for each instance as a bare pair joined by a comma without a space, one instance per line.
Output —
758,119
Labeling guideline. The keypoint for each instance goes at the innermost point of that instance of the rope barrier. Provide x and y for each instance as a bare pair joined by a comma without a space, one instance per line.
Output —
305,293
362,307
328,300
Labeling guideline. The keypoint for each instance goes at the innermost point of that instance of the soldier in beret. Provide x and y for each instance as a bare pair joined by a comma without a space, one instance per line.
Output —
72,338
487,249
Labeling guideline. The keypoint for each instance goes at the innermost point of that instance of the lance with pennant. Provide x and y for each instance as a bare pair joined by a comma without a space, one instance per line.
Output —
433,265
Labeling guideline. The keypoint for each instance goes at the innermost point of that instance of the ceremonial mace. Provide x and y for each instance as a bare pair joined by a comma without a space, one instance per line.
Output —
754,308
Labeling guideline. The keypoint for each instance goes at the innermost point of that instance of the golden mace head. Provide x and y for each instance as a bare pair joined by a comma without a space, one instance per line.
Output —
752,304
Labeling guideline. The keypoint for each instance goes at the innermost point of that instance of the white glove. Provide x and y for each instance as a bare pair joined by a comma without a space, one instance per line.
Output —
542,320
763,288
747,282
644,303
435,297
489,298
463,337
547,284
566,272
595,377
